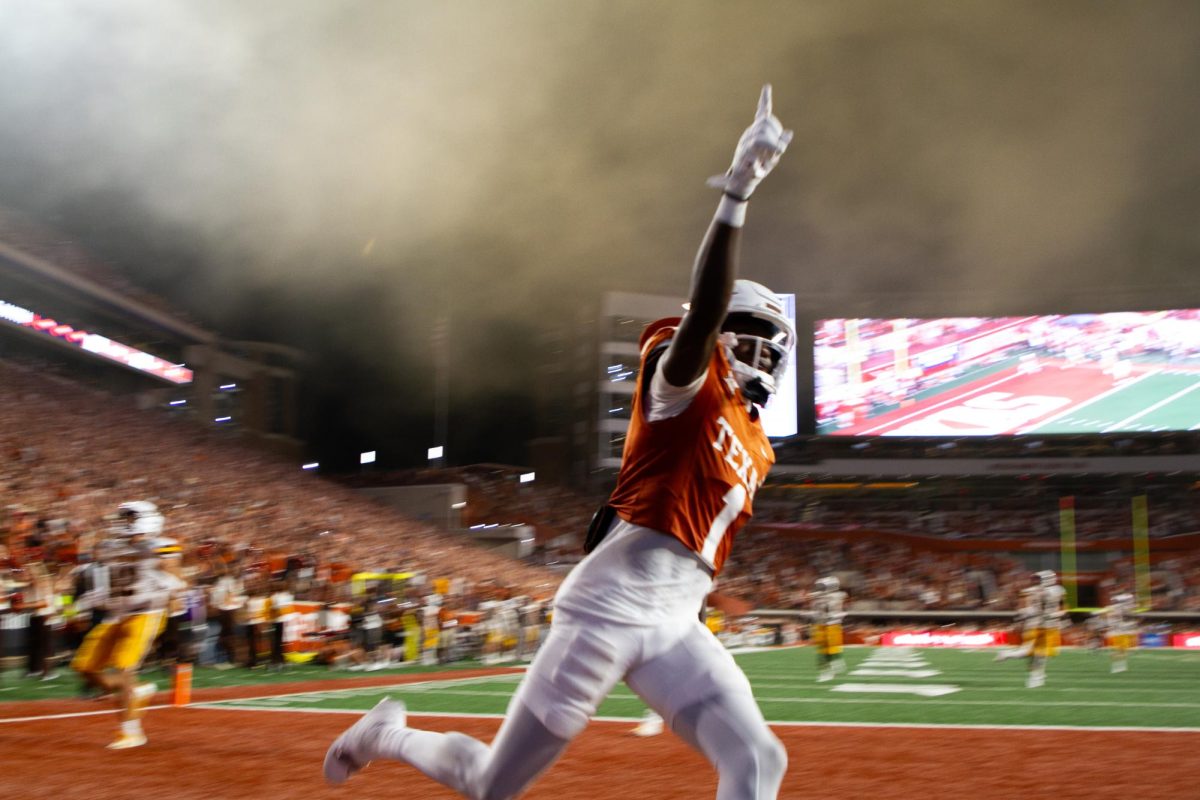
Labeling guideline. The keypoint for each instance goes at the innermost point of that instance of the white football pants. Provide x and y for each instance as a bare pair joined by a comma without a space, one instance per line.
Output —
679,669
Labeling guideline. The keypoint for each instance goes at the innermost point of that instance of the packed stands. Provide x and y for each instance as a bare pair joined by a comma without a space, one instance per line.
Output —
69,454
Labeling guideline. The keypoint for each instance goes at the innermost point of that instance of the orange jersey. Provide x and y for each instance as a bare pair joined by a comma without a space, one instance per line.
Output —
693,476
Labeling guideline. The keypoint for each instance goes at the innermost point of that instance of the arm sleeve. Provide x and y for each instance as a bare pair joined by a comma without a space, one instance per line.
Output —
663,400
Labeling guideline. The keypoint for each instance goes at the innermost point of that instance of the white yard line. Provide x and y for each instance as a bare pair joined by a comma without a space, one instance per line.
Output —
770,699
110,711
1096,399
228,706
348,692
1120,425
775,723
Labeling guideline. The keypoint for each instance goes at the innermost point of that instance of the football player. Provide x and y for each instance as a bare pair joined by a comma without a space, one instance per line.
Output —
694,457
1024,625
135,603
1120,630
490,630
1047,621
828,604
531,628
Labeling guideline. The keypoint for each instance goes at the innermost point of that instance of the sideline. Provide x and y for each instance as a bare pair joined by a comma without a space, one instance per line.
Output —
227,706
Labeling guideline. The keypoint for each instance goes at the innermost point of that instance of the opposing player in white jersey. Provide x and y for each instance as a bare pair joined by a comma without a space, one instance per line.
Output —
828,613
1024,626
694,457
1120,630
1046,623
135,602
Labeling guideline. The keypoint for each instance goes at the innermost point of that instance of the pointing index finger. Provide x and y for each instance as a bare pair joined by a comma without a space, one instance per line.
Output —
764,102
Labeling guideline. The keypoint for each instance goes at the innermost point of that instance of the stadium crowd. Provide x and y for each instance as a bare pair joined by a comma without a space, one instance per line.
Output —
70,454
990,516
254,527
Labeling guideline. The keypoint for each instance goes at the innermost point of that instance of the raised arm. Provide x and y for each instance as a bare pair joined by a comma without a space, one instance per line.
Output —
716,266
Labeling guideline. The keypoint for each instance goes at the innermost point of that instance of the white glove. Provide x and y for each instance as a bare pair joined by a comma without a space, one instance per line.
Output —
757,152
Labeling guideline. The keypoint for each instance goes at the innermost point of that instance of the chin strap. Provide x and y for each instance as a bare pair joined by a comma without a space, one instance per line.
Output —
754,385
750,381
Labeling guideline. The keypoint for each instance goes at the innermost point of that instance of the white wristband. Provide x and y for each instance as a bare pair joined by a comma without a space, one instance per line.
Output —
731,211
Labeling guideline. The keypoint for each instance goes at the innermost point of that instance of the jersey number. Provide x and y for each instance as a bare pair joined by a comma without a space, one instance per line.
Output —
735,500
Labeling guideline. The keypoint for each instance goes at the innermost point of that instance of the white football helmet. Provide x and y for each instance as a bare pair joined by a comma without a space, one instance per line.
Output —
750,352
140,518
829,583
1047,577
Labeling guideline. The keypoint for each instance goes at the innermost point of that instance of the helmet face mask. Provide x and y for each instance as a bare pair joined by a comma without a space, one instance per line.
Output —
829,583
758,337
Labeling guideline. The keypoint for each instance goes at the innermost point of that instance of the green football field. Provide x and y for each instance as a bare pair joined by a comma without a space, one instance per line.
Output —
1155,401
896,686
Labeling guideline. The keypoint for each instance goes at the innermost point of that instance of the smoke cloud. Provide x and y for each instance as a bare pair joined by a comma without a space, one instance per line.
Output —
350,171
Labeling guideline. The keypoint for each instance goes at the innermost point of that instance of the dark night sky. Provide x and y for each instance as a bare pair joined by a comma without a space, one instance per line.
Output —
336,174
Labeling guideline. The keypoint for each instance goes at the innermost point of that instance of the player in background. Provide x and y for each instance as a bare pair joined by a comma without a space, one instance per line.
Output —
1048,614
694,457
431,627
510,629
135,602
1024,625
1120,630
489,632
531,628
828,612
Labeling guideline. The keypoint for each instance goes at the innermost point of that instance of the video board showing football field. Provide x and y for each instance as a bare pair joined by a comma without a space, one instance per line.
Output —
965,376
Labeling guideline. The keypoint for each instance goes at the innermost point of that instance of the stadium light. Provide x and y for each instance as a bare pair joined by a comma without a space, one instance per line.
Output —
310,465
527,477
436,452
367,457
177,403
227,386
222,419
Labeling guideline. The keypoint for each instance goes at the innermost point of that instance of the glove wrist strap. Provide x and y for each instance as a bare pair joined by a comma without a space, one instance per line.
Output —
731,211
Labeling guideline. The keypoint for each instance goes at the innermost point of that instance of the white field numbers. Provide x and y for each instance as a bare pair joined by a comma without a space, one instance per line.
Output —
735,500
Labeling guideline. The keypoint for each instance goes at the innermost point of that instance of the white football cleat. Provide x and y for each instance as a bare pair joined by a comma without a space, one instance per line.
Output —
651,725
127,740
1035,680
348,753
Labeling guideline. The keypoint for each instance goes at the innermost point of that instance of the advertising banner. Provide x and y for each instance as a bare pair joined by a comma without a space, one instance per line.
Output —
944,638
1188,641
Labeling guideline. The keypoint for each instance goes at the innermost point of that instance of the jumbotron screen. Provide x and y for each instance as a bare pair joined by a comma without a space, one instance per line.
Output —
979,376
